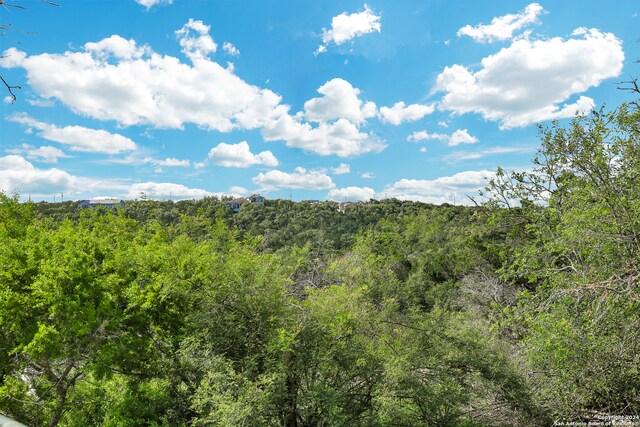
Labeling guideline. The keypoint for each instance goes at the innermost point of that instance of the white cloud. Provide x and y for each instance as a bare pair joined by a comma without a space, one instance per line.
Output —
136,159
351,194
528,81
422,135
173,162
240,156
300,179
40,102
78,138
150,3
115,79
118,47
237,191
345,27
195,40
44,154
503,27
367,175
17,174
460,136
344,168
341,138
446,189
458,156
230,49
405,113
339,113
160,190
340,100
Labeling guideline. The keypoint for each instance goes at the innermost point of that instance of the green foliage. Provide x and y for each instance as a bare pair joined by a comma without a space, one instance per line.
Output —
576,249
520,312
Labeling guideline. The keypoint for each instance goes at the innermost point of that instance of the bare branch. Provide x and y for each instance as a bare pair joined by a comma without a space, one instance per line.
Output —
10,89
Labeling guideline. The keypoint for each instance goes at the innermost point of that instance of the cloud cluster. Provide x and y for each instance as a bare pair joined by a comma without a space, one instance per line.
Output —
115,79
347,26
78,138
300,179
447,189
503,27
240,156
531,81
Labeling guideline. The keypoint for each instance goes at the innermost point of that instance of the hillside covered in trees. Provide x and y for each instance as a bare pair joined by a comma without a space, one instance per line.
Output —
523,310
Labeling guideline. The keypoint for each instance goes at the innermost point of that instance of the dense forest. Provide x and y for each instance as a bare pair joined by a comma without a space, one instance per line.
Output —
521,310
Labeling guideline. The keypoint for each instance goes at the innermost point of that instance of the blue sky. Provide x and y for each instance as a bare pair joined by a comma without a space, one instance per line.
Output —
338,100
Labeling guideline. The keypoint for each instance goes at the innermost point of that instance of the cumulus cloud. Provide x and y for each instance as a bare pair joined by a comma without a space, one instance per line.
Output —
195,40
160,190
300,179
115,79
346,27
401,112
529,81
460,136
367,175
342,169
44,154
339,100
150,3
351,194
503,27
78,138
339,113
447,189
341,138
240,156
17,174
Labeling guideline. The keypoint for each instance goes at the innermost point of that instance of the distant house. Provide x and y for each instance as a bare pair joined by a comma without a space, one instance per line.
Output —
342,207
107,203
236,203
256,198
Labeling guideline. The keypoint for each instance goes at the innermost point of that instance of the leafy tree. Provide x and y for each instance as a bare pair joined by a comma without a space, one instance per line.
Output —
576,246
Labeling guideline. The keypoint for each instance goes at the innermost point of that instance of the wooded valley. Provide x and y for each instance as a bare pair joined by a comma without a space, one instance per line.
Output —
521,310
